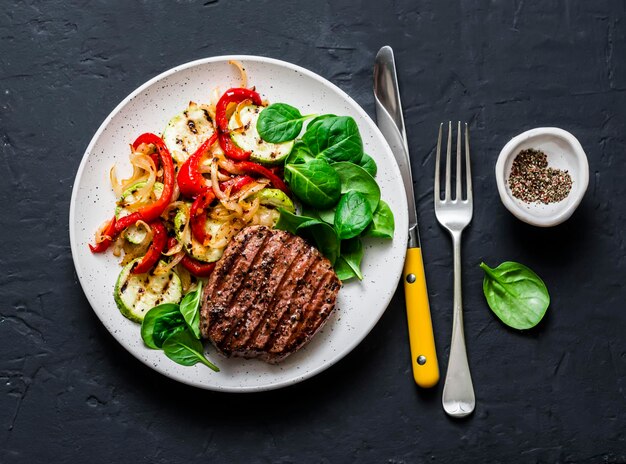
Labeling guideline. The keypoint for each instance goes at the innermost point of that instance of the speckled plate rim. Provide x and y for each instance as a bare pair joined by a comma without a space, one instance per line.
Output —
400,232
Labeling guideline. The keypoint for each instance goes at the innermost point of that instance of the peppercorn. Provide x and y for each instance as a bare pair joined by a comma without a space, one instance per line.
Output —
532,181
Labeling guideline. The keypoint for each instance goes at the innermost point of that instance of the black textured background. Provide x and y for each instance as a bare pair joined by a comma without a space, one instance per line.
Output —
70,393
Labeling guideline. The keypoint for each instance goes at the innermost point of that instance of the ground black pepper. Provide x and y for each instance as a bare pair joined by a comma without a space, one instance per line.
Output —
532,181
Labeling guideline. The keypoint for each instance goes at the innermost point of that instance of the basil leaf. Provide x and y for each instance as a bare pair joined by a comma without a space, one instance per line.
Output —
383,224
515,294
280,123
353,215
299,154
368,164
324,237
335,137
355,178
190,309
186,350
161,322
352,254
315,183
290,222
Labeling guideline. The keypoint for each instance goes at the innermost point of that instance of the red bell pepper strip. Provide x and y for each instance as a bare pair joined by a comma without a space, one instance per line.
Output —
152,211
255,168
197,218
190,179
197,268
230,149
159,240
235,95
110,232
237,183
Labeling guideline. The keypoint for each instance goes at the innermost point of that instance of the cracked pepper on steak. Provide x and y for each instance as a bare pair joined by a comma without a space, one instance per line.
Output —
267,297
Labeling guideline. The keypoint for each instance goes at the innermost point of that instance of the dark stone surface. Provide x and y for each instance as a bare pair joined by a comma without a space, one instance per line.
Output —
70,393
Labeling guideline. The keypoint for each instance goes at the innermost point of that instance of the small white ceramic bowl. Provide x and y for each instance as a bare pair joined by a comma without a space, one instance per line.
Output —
564,152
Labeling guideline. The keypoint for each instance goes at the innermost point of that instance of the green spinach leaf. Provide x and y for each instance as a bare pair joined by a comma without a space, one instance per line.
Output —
353,215
352,254
335,137
290,222
343,270
161,322
355,178
299,154
317,232
183,348
383,224
315,183
327,215
324,237
368,163
515,294
320,118
280,123
190,309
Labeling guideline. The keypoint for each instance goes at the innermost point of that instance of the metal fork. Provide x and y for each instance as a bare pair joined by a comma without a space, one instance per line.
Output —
454,215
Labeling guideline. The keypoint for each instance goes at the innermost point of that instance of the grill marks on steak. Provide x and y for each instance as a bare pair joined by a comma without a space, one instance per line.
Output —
268,295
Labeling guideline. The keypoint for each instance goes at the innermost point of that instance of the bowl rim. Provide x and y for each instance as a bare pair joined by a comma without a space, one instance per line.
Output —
505,195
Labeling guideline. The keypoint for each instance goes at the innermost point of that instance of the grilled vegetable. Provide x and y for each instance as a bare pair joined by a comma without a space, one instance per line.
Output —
134,234
136,294
186,131
244,133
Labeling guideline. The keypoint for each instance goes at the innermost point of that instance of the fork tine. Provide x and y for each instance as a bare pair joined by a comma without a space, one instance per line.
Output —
437,165
458,162
448,161
468,170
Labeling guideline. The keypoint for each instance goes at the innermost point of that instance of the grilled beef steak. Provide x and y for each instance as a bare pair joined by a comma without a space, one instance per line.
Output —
269,294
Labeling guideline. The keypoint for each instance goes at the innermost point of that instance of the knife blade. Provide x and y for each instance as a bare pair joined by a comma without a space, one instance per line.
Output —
391,123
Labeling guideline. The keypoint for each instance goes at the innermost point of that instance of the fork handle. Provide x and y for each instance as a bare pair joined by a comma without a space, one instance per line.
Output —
422,341
458,391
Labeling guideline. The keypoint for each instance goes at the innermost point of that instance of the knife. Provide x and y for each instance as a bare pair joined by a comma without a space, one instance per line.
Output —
391,124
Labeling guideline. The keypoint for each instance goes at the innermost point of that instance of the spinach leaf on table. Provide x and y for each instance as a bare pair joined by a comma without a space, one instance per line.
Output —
353,215
383,224
280,123
515,294
337,138
355,178
161,322
190,309
183,348
315,183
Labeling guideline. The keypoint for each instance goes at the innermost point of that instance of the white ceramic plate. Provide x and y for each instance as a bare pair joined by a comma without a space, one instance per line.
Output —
148,109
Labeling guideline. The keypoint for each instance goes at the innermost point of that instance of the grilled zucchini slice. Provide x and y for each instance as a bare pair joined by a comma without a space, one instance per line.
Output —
134,234
136,294
247,138
196,249
187,131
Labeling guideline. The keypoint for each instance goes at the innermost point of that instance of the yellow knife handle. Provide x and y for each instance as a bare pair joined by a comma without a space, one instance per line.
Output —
422,340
